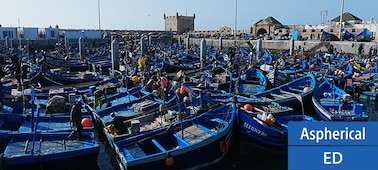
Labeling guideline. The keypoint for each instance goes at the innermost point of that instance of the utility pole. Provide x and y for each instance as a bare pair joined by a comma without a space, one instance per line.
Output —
99,15
236,17
341,19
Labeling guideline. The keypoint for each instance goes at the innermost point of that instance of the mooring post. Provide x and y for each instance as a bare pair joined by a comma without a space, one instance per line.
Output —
259,49
142,46
187,44
115,56
291,47
203,53
81,48
6,43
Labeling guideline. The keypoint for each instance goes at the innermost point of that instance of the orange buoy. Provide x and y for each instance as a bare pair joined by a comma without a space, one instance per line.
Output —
135,79
169,161
86,122
182,90
223,146
248,107
307,88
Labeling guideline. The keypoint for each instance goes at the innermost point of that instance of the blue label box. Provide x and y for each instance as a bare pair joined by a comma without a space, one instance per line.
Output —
333,133
332,157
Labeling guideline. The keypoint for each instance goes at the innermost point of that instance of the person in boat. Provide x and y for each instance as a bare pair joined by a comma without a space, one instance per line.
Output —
119,125
153,85
75,120
184,96
156,87
98,95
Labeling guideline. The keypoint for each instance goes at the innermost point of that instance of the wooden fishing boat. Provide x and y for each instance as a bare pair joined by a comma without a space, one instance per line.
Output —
266,130
54,78
271,108
293,94
203,140
334,104
146,114
363,86
72,63
251,81
126,110
49,151
11,122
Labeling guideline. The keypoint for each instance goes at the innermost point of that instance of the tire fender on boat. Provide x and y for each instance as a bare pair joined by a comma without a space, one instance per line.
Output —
223,146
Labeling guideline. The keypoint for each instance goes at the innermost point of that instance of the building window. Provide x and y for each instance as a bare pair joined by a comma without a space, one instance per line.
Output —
304,30
331,30
353,30
312,30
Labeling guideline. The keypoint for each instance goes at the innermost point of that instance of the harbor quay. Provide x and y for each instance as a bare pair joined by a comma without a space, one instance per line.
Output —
348,47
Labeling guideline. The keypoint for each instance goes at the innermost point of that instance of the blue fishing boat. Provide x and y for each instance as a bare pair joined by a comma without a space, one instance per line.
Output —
266,130
334,104
71,62
293,94
58,77
11,122
129,104
271,108
203,140
49,151
146,114
59,123
366,90
251,81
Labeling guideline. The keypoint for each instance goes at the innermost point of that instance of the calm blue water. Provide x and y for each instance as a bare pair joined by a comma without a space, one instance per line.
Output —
247,156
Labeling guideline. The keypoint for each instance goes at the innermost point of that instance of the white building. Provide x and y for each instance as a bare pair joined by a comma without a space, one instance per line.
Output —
48,33
28,33
76,34
10,32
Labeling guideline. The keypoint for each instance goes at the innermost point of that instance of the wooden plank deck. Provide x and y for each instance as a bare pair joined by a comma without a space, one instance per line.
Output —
193,134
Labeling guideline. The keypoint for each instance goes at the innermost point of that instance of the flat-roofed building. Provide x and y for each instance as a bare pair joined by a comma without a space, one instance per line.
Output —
179,24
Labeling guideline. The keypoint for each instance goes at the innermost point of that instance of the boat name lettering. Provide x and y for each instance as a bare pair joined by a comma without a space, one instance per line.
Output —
252,128
336,134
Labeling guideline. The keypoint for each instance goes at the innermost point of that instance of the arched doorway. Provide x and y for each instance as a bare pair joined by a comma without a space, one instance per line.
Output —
261,31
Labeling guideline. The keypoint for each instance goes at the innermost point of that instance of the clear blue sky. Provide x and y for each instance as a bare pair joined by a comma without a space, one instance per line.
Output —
148,14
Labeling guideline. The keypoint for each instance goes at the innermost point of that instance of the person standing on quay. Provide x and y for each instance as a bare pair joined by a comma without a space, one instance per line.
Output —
75,120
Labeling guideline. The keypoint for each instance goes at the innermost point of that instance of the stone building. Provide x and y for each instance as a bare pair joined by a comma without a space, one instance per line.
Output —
179,24
348,19
273,29
266,26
